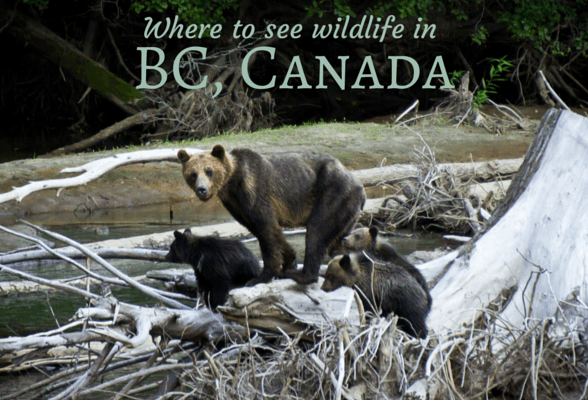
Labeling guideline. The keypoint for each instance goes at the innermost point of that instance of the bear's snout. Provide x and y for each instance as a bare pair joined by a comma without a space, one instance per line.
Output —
201,191
327,286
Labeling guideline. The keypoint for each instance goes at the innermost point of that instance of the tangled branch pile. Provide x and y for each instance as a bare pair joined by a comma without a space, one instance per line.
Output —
382,362
197,115
438,199
460,106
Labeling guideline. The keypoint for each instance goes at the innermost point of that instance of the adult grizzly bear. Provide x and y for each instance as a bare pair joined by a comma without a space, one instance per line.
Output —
382,286
367,239
266,193
219,264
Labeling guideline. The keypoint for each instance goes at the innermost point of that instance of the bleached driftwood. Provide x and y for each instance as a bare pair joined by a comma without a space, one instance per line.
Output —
167,298
482,171
104,252
285,306
94,170
533,257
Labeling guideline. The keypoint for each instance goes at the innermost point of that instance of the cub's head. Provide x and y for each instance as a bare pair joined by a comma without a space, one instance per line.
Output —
342,271
206,173
179,251
361,239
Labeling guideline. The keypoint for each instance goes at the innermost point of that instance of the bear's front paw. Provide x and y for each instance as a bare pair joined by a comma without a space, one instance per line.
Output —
300,277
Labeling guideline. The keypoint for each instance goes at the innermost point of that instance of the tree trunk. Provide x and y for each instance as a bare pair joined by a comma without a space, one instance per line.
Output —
70,59
531,262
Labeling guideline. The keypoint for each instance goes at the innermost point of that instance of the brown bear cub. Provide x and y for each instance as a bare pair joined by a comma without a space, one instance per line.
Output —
382,286
266,193
219,264
367,239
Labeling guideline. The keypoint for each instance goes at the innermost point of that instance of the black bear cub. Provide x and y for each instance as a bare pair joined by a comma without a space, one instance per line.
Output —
382,286
219,264
367,239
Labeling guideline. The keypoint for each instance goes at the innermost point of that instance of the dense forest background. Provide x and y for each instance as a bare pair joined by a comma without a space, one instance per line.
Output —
51,98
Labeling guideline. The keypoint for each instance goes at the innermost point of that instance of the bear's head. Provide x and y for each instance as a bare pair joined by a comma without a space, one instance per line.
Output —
206,173
342,271
179,251
361,239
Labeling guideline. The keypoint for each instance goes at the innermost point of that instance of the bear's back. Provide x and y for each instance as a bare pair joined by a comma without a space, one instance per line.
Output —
395,290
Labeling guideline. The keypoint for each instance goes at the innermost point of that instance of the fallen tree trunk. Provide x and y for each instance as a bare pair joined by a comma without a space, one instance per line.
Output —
479,171
139,118
530,263
104,252
70,59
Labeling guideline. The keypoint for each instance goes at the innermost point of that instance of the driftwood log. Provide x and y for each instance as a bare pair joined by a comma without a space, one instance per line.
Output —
532,257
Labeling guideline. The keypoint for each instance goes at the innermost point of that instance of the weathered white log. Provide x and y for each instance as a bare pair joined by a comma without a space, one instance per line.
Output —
94,170
433,269
178,324
481,190
110,268
104,252
535,246
285,305
457,239
485,170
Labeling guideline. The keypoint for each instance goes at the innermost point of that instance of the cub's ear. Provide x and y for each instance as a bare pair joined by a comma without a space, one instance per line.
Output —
183,156
188,230
178,235
373,232
345,263
218,151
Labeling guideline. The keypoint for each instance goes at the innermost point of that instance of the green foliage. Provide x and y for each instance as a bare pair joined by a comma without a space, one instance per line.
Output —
314,9
380,10
339,7
480,35
39,4
189,11
498,67
539,20
455,76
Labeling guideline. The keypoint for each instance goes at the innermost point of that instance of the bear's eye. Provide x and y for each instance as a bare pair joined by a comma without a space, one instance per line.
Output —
209,172
193,176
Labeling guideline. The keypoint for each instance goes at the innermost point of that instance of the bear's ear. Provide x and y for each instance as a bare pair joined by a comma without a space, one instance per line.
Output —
188,230
373,232
218,151
183,156
345,263
178,235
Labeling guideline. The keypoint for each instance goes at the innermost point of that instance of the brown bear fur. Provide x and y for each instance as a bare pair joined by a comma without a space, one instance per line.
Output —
266,193
382,286
367,239
219,264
